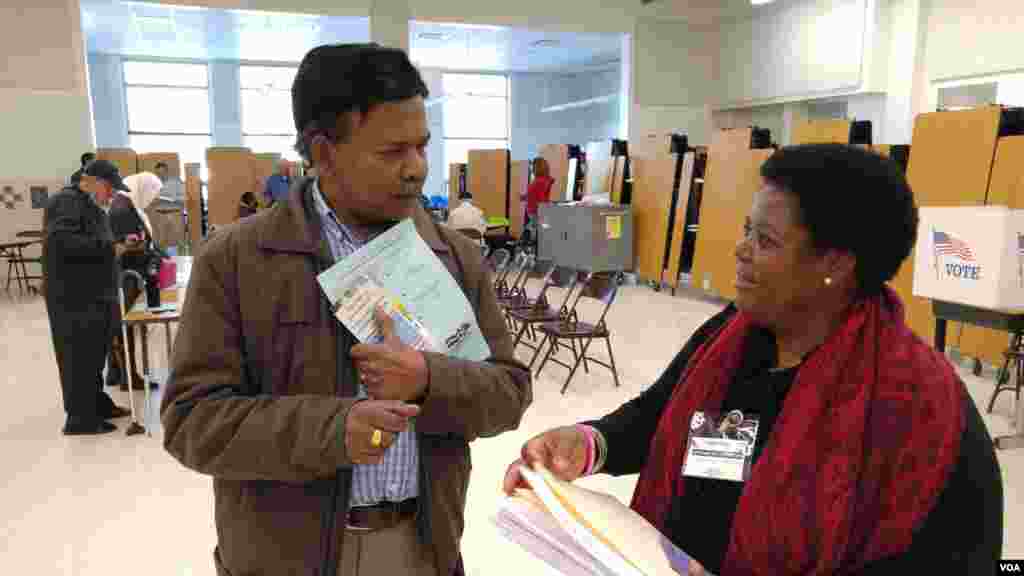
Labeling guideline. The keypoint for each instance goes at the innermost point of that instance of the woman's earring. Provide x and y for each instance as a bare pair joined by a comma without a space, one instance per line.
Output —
828,281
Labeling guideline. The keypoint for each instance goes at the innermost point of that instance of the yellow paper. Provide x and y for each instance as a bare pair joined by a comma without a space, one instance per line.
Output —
613,225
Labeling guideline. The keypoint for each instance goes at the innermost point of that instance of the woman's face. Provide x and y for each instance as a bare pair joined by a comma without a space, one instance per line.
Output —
778,271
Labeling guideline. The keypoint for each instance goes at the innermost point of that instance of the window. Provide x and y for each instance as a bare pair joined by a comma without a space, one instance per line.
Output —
475,114
169,109
267,123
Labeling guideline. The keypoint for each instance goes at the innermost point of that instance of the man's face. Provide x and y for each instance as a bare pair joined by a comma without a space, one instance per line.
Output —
100,189
376,175
161,173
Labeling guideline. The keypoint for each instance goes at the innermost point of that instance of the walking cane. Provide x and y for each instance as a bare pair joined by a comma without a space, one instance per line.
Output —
134,428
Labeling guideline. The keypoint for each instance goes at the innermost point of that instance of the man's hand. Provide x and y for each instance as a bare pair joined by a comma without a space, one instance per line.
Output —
390,370
367,416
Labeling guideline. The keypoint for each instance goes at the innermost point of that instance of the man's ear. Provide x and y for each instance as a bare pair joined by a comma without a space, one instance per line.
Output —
320,151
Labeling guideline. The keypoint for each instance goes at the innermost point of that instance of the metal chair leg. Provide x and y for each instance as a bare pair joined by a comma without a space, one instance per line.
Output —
519,335
579,359
615,370
536,353
551,349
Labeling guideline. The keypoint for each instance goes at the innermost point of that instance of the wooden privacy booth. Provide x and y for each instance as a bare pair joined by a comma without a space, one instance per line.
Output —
126,160
731,179
488,181
653,179
557,156
950,164
147,162
1005,188
519,180
231,175
821,131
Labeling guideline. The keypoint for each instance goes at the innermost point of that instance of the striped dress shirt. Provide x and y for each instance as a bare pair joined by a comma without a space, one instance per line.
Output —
395,477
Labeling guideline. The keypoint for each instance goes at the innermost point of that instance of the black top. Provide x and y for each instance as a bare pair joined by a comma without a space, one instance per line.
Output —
79,249
125,220
963,533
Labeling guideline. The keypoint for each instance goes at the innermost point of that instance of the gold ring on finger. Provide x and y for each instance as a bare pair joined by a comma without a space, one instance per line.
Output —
377,438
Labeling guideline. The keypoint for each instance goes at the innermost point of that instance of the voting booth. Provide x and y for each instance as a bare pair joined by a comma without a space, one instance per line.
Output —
971,255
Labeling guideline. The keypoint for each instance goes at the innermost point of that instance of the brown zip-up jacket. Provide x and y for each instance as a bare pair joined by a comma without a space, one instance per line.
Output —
261,383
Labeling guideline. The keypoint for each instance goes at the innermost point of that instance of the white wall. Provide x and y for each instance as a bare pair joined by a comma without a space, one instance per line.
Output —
532,128
675,80
44,101
802,49
974,38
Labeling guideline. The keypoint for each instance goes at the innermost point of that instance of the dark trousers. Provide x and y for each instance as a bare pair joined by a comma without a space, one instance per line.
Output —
81,341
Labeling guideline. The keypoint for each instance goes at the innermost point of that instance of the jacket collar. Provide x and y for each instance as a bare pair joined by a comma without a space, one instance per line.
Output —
294,227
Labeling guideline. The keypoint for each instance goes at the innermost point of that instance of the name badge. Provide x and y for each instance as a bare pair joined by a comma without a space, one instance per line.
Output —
720,446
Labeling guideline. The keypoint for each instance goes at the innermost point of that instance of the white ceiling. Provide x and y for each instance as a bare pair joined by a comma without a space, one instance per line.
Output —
468,47
141,29
153,30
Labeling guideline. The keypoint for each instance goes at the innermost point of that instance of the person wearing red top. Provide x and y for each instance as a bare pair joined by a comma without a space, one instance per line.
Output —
540,189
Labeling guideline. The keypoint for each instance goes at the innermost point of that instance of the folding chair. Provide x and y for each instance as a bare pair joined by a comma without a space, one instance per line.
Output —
602,287
515,289
540,312
501,286
498,260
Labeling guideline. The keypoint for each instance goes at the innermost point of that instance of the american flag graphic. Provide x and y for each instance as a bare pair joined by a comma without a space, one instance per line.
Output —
946,245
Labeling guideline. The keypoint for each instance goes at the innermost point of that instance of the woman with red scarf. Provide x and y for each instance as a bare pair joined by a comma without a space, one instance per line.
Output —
869,457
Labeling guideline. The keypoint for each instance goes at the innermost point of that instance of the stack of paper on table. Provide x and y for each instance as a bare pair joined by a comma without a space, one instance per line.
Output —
581,532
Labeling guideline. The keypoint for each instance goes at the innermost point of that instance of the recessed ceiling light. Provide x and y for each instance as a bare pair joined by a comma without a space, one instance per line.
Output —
761,2
546,43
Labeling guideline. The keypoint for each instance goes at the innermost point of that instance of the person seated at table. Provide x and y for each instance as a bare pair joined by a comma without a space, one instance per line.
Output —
467,216
128,220
870,457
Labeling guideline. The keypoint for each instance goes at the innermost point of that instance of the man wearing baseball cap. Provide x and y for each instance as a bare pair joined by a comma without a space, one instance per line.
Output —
80,256
318,464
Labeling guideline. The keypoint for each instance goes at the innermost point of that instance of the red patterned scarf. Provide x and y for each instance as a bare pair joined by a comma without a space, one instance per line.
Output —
868,435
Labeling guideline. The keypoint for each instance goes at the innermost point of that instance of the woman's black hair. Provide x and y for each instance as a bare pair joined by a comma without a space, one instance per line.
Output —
852,200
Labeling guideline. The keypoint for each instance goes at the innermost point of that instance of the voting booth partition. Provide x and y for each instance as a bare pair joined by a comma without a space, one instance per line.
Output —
950,165
731,179
971,255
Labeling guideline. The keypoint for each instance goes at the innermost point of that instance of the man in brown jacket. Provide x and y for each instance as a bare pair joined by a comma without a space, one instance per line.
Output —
328,457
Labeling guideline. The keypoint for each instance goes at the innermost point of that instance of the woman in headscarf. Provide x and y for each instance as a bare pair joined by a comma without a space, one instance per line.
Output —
128,220
870,457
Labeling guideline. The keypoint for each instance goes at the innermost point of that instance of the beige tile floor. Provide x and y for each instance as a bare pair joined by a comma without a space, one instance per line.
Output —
115,505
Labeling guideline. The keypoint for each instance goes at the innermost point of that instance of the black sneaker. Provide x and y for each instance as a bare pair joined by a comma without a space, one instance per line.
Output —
88,428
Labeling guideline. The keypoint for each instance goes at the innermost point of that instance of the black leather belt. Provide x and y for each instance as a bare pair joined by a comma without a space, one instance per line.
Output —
380,516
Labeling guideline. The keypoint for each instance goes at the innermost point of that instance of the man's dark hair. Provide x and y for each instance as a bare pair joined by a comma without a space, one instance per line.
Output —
465,195
161,164
851,200
86,158
336,79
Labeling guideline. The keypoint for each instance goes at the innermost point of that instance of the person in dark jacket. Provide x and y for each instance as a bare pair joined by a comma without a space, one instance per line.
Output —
81,288
870,457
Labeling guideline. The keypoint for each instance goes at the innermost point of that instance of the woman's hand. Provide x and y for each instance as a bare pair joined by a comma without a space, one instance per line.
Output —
695,569
563,451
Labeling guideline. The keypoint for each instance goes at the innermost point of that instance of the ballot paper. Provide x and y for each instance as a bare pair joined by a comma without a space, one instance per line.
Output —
580,532
400,274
